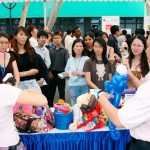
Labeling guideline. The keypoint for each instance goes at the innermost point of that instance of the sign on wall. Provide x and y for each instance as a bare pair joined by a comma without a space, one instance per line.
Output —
147,23
108,21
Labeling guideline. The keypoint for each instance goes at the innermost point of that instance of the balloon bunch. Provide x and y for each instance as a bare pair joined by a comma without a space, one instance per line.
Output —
115,87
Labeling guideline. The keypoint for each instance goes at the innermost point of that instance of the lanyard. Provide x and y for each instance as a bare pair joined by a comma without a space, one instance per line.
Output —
77,66
3,69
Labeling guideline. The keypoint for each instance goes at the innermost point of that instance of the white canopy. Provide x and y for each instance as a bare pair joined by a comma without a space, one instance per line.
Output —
5,1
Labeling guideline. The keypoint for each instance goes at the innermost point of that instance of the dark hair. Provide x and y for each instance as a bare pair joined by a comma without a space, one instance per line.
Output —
29,49
74,43
140,31
144,64
30,29
128,36
75,28
5,35
102,43
147,32
69,31
89,34
57,33
42,33
114,29
97,33
124,32
51,35
103,33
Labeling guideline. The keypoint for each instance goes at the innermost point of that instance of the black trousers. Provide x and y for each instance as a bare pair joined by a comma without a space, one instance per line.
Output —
14,147
139,145
46,92
53,84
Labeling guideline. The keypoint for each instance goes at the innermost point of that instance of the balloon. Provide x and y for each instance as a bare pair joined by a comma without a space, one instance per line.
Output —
115,87
27,109
39,110
121,69
16,107
129,91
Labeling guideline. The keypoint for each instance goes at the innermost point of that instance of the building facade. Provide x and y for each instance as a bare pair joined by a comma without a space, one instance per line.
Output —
85,14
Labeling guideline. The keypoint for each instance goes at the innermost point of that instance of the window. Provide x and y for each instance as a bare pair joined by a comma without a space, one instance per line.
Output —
130,20
95,20
79,20
2,21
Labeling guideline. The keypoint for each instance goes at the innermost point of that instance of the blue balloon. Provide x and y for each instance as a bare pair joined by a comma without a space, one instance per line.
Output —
116,86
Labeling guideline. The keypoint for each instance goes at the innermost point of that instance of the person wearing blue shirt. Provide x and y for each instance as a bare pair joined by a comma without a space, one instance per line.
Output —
74,70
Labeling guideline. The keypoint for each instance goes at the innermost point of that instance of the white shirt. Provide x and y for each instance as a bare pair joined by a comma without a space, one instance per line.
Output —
135,114
8,98
33,42
44,53
68,44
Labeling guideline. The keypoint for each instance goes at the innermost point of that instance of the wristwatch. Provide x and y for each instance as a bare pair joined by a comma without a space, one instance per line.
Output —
99,93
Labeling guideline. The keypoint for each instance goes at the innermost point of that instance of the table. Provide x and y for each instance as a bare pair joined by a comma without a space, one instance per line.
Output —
66,140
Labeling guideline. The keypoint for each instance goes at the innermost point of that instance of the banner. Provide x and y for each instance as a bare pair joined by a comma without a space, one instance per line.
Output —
108,21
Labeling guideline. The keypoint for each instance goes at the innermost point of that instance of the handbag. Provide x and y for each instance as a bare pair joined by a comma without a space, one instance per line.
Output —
32,123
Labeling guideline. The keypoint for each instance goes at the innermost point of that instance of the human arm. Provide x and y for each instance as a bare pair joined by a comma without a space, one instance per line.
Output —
47,58
89,82
148,54
110,76
66,56
16,73
31,97
117,58
40,82
111,53
28,73
50,75
11,95
135,81
110,110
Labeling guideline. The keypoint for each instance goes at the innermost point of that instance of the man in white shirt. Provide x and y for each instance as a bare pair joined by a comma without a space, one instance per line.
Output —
32,31
121,38
42,78
134,115
68,42
9,96
42,37
77,34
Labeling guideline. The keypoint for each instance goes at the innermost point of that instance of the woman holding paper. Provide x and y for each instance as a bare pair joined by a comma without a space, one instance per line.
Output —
7,61
74,69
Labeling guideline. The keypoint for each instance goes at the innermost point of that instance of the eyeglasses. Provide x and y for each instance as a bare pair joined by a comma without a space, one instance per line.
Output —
4,43
136,45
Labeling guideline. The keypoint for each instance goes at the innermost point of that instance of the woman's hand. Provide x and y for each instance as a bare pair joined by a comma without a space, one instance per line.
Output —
129,72
66,74
40,82
75,73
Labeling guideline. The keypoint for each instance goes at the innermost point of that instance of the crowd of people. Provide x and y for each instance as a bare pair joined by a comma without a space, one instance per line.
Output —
36,57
